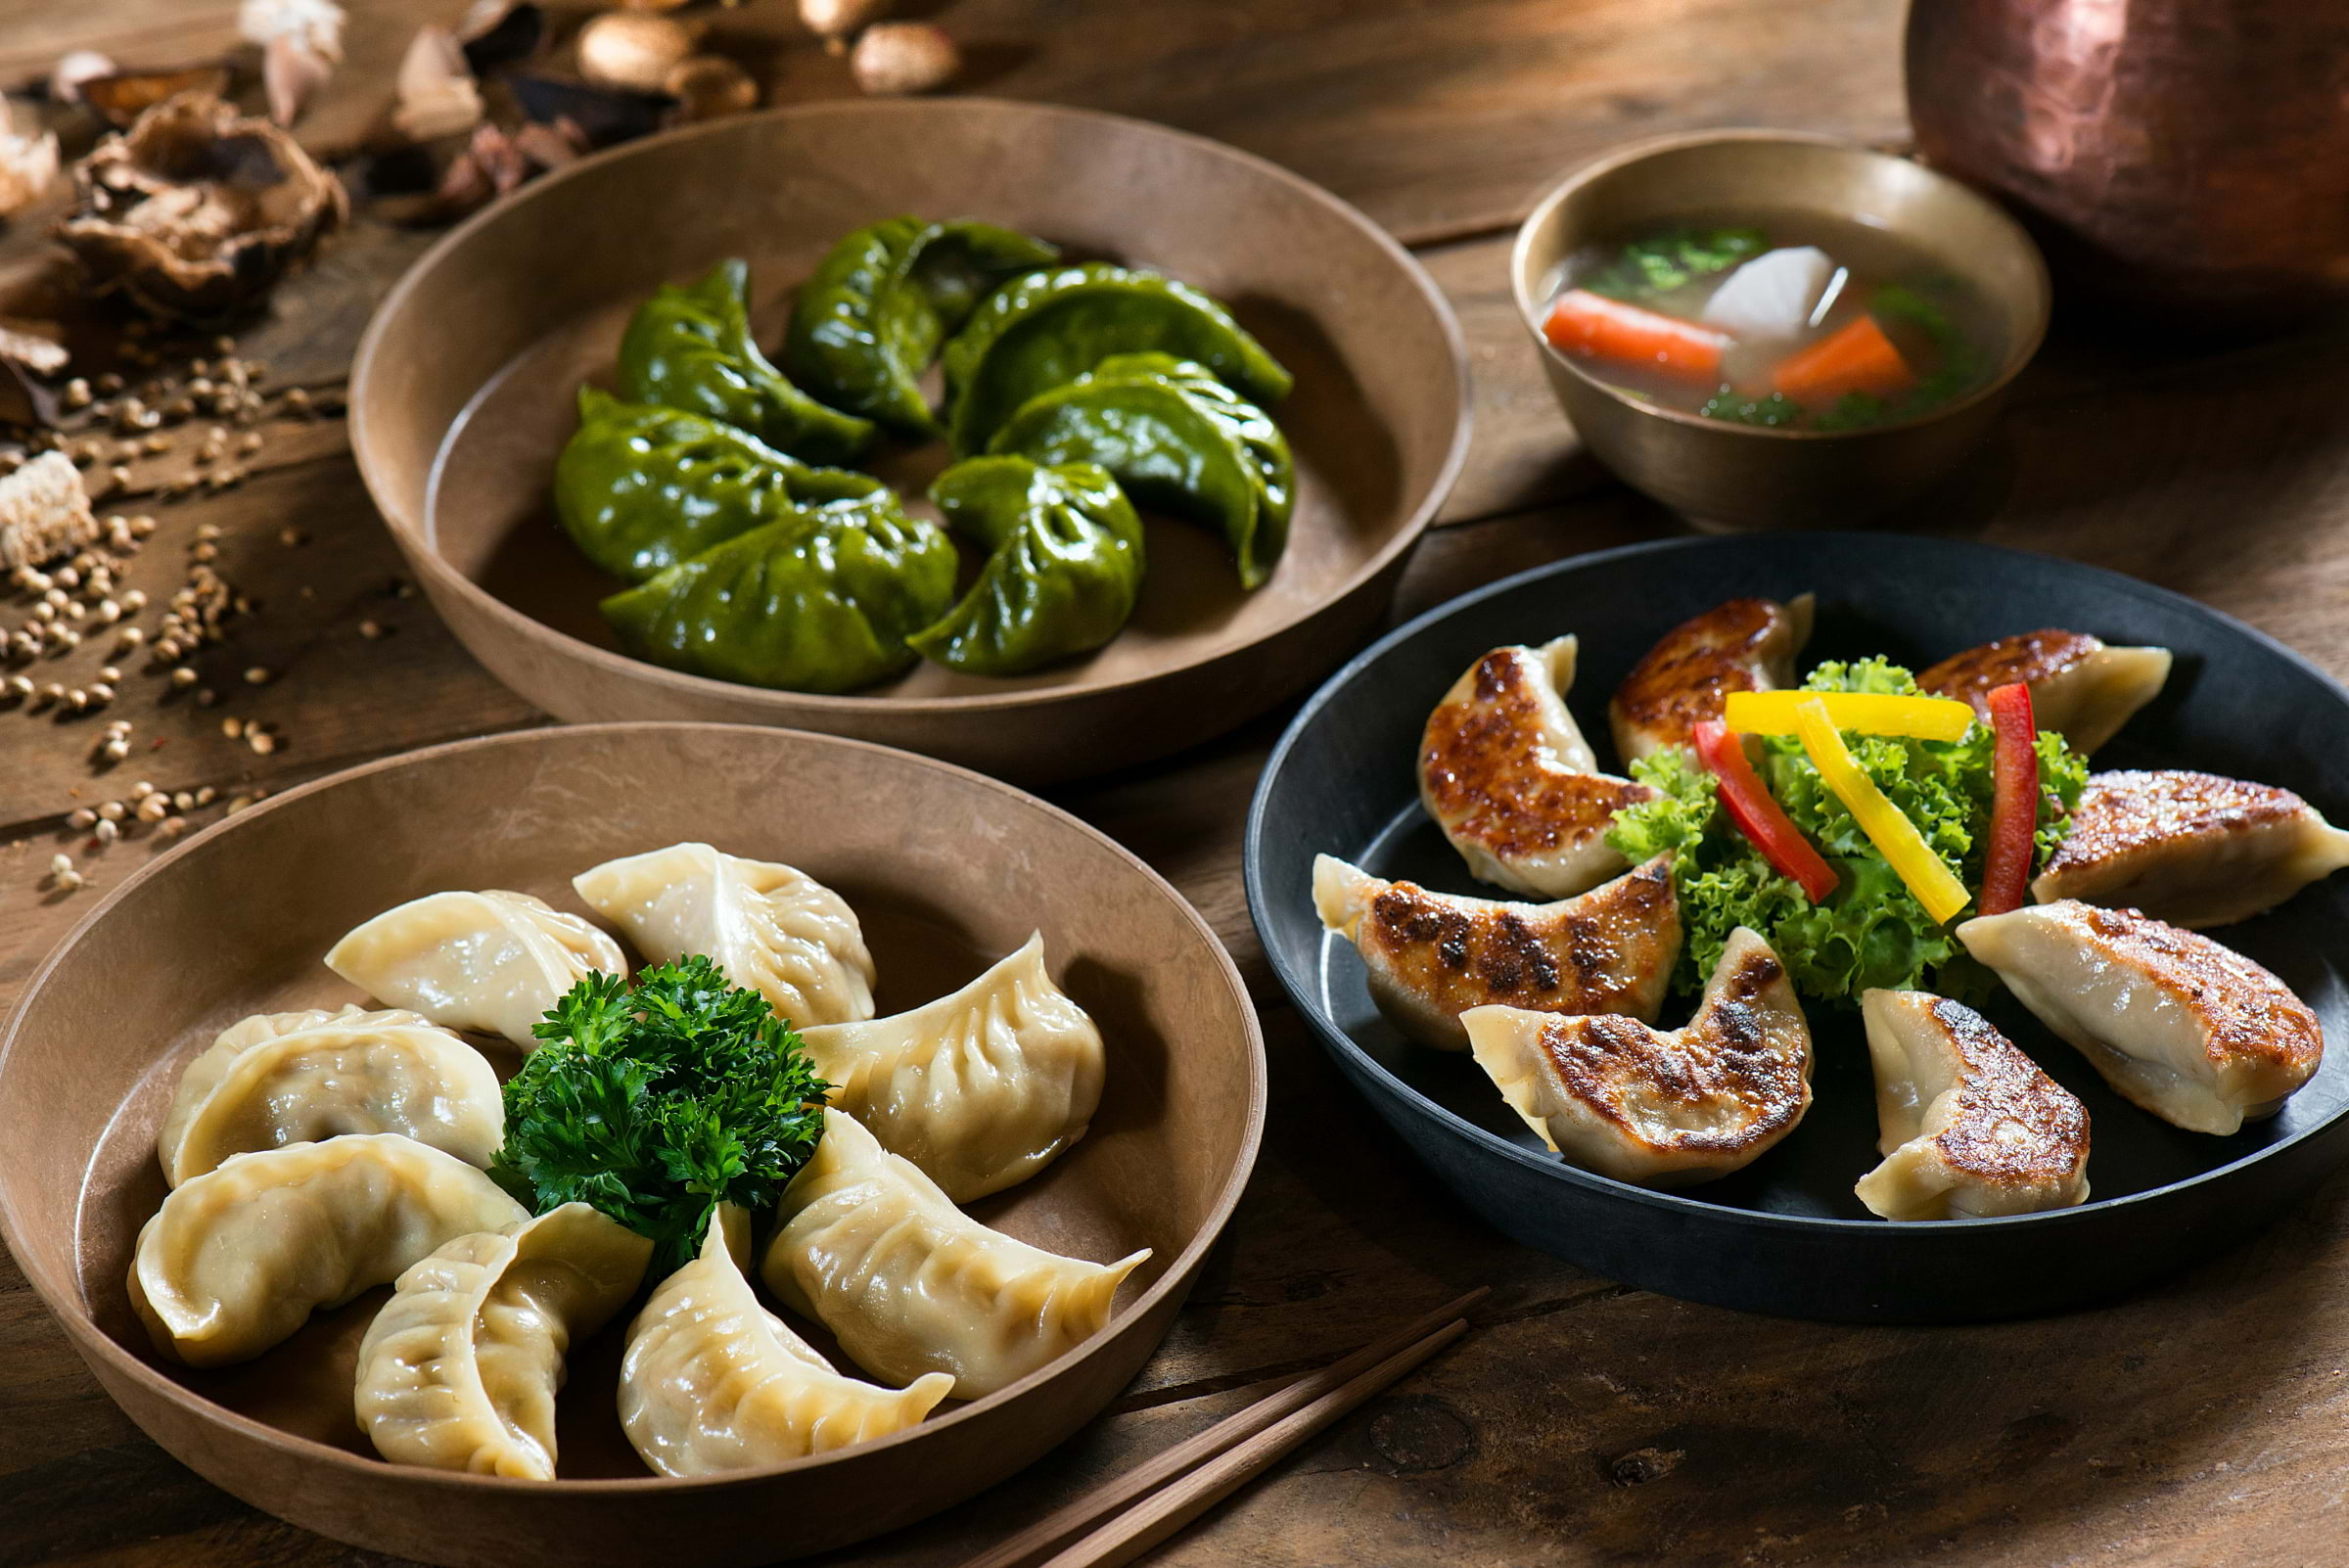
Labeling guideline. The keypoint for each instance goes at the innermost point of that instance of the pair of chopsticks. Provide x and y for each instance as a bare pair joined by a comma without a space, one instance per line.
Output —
1093,1533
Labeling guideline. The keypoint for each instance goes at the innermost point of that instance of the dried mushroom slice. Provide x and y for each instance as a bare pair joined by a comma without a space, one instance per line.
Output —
196,210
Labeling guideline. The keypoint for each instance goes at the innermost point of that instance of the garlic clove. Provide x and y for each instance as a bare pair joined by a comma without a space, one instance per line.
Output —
633,49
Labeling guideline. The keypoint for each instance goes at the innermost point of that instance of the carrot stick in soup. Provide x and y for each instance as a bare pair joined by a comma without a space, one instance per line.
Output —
1591,326
1858,358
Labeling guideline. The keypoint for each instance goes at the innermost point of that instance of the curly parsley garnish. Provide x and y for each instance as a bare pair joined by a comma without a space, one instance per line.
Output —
654,1103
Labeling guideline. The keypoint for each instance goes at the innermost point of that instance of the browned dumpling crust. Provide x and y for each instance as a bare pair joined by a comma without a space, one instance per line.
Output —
1969,1127
2193,848
1433,955
2193,1031
1743,645
1618,1097
1505,772
2081,688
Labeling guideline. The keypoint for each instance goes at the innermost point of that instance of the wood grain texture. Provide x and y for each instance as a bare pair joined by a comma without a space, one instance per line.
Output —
1580,1424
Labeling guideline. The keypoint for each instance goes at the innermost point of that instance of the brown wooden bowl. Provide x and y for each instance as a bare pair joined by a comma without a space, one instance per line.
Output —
947,870
462,395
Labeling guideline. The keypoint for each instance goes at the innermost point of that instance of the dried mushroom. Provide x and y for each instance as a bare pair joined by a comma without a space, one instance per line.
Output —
65,79
497,33
196,210
127,94
603,114
28,167
44,512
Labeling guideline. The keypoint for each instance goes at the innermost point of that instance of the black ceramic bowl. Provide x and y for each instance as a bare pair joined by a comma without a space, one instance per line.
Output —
1787,1235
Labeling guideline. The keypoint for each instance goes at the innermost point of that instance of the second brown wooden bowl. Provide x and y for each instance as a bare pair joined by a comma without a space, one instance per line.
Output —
462,397
948,871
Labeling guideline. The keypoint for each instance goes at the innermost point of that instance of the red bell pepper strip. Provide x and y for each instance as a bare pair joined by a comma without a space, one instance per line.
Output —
1743,794
2015,806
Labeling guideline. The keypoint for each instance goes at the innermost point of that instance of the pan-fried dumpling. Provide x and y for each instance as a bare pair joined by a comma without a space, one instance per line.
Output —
870,1248
2193,1031
236,1258
2193,848
2080,688
1968,1126
1430,956
770,927
295,1078
982,1089
460,1369
713,1381
1665,1110
1743,645
491,961
1506,774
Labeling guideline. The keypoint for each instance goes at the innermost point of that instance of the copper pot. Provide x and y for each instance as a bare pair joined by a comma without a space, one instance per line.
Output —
2189,157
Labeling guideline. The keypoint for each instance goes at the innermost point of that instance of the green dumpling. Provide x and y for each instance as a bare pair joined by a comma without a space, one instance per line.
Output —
1178,440
689,346
821,601
1064,564
640,488
1046,329
869,322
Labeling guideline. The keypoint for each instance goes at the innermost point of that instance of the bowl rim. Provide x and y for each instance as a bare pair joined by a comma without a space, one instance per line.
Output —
2020,354
447,578
1670,1202
95,1343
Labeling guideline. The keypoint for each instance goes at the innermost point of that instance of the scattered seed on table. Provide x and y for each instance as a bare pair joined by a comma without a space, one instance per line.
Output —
261,741
105,831
82,819
183,677
371,630
233,728
155,807
258,675
112,811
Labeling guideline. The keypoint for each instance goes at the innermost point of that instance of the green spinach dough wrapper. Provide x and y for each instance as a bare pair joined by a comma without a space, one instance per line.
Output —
1179,442
821,601
871,320
1063,569
640,488
689,346
1045,329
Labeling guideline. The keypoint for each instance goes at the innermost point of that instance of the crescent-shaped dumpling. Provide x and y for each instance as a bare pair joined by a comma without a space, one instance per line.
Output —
236,1258
2193,1031
1968,1126
2080,688
1505,772
460,1369
491,961
981,1089
870,1248
1615,1096
1430,956
2193,848
713,1381
295,1078
1743,645
771,927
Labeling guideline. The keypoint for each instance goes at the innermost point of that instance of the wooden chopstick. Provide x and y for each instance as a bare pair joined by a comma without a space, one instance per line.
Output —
1090,1509
1159,1515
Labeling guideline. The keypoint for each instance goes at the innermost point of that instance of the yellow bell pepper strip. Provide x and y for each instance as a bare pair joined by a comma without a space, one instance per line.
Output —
1862,713
1895,837
2014,809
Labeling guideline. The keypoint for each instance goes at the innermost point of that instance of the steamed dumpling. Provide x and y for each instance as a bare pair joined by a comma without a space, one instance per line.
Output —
774,928
1615,1096
1969,1127
2193,848
713,1381
1743,645
2193,1031
236,1258
491,961
1505,772
295,1078
982,1089
2080,688
1430,956
870,1248
460,1369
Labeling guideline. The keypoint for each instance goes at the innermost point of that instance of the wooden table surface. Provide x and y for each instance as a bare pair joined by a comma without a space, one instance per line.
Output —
1582,1423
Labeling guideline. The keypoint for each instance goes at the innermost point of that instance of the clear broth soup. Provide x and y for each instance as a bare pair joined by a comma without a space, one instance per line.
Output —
1843,325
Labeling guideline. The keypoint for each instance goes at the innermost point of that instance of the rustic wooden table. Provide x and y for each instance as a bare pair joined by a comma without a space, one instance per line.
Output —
1582,1423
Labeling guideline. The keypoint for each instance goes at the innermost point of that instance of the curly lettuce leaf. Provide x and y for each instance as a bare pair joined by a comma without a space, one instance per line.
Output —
1871,931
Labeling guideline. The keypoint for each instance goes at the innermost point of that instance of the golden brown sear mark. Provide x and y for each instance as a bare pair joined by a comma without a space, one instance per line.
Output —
1491,776
1601,958
2243,1011
2026,657
1685,678
2002,1088
2123,812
